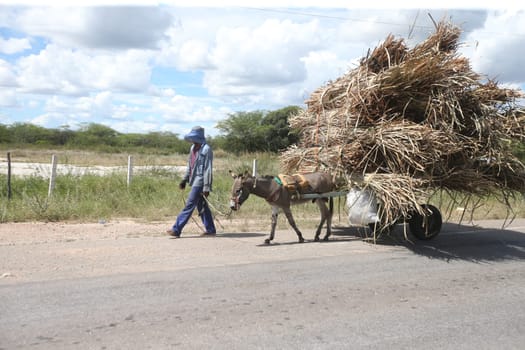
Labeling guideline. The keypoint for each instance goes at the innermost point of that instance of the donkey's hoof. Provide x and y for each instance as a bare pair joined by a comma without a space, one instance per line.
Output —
326,239
316,239
301,240
267,241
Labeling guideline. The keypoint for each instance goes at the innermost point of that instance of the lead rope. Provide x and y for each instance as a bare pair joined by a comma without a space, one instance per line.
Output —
215,210
215,218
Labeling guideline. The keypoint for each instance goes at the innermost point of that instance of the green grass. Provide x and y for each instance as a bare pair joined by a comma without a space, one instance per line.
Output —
151,196
155,196
90,197
457,207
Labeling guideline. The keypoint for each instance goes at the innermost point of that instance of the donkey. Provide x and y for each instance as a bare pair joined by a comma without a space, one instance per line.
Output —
279,197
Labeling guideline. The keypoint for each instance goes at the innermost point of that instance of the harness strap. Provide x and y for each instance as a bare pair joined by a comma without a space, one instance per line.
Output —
275,194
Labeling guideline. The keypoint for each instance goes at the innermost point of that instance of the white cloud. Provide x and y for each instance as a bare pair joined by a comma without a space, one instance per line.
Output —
263,61
497,49
105,27
125,27
59,70
31,103
7,76
8,98
14,45
184,109
160,92
51,120
246,59
193,55
100,106
134,126
56,104
60,24
323,66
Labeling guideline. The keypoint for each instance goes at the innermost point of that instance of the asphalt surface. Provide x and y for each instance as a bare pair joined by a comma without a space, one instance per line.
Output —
465,289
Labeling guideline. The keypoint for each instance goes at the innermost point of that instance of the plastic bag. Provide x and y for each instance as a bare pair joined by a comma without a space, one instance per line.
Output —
362,207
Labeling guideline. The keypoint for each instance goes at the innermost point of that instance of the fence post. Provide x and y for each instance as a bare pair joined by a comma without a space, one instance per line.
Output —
130,170
254,168
9,193
53,176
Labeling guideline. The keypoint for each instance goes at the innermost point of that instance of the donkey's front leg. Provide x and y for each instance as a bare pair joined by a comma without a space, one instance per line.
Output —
275,214
291,221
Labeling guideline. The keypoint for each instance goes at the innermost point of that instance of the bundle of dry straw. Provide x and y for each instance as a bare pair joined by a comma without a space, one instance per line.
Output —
409,121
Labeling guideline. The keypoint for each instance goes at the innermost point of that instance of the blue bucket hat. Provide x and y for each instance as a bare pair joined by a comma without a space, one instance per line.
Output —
196,135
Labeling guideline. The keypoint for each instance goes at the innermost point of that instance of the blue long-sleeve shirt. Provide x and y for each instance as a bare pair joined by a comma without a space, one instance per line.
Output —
201,174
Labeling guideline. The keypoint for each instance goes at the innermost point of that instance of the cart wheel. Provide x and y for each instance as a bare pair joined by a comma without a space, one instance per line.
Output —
426,227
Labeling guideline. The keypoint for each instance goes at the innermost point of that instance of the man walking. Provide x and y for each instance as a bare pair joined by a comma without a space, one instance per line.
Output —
199,176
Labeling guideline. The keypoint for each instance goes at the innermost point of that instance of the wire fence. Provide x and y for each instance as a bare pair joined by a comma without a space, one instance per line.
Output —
53,169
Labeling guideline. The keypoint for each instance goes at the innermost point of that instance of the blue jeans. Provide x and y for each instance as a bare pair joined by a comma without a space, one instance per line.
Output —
195,200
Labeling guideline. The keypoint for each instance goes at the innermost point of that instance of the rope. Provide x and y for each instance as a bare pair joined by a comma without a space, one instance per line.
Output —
207,201
217,210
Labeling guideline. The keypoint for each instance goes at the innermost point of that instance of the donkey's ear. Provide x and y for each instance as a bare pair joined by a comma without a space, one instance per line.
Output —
246,173
232,174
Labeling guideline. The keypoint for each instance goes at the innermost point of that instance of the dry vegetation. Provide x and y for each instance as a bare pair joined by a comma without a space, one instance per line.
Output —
409,122
222,161
91,158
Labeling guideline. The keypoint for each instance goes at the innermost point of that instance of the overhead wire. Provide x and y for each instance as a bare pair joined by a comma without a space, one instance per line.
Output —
342,18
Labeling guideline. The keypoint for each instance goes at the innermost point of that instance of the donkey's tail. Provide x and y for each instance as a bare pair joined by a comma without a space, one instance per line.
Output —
331,205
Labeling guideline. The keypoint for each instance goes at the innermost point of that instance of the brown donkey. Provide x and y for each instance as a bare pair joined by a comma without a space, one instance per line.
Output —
280,196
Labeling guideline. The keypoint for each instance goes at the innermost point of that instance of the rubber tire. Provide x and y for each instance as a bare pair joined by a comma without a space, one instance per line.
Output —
426,227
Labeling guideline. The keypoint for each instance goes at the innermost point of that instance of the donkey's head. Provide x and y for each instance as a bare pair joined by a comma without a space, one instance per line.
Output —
240,190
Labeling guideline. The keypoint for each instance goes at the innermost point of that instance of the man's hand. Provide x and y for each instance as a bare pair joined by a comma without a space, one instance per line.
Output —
206,194
182,185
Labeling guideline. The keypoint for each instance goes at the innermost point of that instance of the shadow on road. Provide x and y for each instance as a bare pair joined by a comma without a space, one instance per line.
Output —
455,242
241,234
276,242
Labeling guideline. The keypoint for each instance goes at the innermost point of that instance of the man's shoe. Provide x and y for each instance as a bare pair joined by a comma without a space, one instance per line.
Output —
207,235
173,233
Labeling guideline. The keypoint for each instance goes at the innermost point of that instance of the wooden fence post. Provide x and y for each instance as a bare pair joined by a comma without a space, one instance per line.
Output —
254,168
9,193
130,170
53,176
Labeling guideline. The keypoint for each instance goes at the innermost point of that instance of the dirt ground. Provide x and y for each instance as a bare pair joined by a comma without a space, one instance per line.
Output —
31,252
45,251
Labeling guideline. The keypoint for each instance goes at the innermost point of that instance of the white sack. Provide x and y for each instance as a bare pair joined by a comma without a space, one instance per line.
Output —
362,207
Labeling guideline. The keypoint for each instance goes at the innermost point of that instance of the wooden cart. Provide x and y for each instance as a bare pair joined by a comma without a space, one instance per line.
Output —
363,209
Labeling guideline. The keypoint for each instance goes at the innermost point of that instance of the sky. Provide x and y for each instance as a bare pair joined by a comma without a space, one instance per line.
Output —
155,66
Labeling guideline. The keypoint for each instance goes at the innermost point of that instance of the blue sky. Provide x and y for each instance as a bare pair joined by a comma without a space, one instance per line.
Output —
140,66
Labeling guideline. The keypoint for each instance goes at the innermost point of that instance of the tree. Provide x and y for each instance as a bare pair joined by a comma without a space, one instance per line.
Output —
257,131
5,135
244,132
278,134
95,134
26,133
61,136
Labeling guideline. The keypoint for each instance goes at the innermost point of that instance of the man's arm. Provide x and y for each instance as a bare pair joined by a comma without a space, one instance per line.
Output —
208,171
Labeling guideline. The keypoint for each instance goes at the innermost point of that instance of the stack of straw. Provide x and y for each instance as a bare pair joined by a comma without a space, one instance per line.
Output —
408,121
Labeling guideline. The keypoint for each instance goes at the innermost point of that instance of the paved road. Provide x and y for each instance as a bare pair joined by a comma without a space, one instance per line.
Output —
463,290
